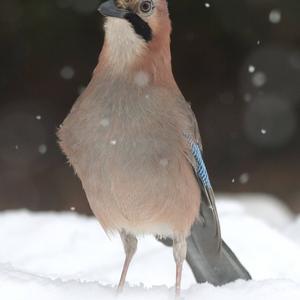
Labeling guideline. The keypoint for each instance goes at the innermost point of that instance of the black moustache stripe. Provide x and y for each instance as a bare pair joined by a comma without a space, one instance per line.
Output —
140,26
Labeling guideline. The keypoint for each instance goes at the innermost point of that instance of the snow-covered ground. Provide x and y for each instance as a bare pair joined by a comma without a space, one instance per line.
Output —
65,256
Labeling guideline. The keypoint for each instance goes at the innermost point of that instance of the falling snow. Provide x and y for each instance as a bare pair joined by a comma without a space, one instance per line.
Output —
42,149
141,79
251,69
247,97
67,72
259,79
104,122
263,131
164,162
244,178
275,16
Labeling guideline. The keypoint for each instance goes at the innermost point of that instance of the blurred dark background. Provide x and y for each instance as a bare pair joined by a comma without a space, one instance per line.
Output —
237,61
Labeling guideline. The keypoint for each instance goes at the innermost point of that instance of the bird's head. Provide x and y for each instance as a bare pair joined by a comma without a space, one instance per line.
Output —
136,32
140,14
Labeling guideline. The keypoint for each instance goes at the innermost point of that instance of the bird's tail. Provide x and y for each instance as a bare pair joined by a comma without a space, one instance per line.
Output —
210,260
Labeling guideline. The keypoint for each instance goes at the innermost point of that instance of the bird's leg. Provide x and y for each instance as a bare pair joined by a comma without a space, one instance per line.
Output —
179,251
130,245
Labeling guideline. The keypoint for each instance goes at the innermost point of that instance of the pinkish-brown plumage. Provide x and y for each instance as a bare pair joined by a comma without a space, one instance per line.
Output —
125,136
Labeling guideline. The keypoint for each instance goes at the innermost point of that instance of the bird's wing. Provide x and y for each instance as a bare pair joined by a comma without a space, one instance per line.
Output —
210,259
195,156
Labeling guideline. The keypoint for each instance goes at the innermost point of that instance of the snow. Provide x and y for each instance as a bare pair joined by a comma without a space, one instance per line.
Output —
244,178
263,131
164,162
67,256
141,78
105,122
275,16
42,149
259,79
251,69
67,72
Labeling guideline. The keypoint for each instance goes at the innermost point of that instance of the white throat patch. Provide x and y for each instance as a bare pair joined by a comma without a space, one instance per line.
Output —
124,45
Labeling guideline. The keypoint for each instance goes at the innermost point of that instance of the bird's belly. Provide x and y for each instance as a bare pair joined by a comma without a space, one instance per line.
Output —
142,189
134,173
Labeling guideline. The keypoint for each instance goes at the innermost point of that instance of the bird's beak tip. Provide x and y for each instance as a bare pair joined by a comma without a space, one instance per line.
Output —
109,9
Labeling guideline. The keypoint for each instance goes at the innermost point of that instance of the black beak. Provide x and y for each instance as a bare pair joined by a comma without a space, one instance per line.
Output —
109,9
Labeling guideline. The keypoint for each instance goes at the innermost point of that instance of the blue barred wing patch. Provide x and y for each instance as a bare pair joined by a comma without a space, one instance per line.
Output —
201,168
201,173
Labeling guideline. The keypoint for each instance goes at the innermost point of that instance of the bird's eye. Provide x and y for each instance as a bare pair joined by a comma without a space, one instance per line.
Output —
146,7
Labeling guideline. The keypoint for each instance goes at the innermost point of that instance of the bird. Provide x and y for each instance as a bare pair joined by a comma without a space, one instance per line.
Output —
134,142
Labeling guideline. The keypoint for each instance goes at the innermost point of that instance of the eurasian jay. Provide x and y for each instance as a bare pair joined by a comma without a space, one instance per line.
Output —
134,142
